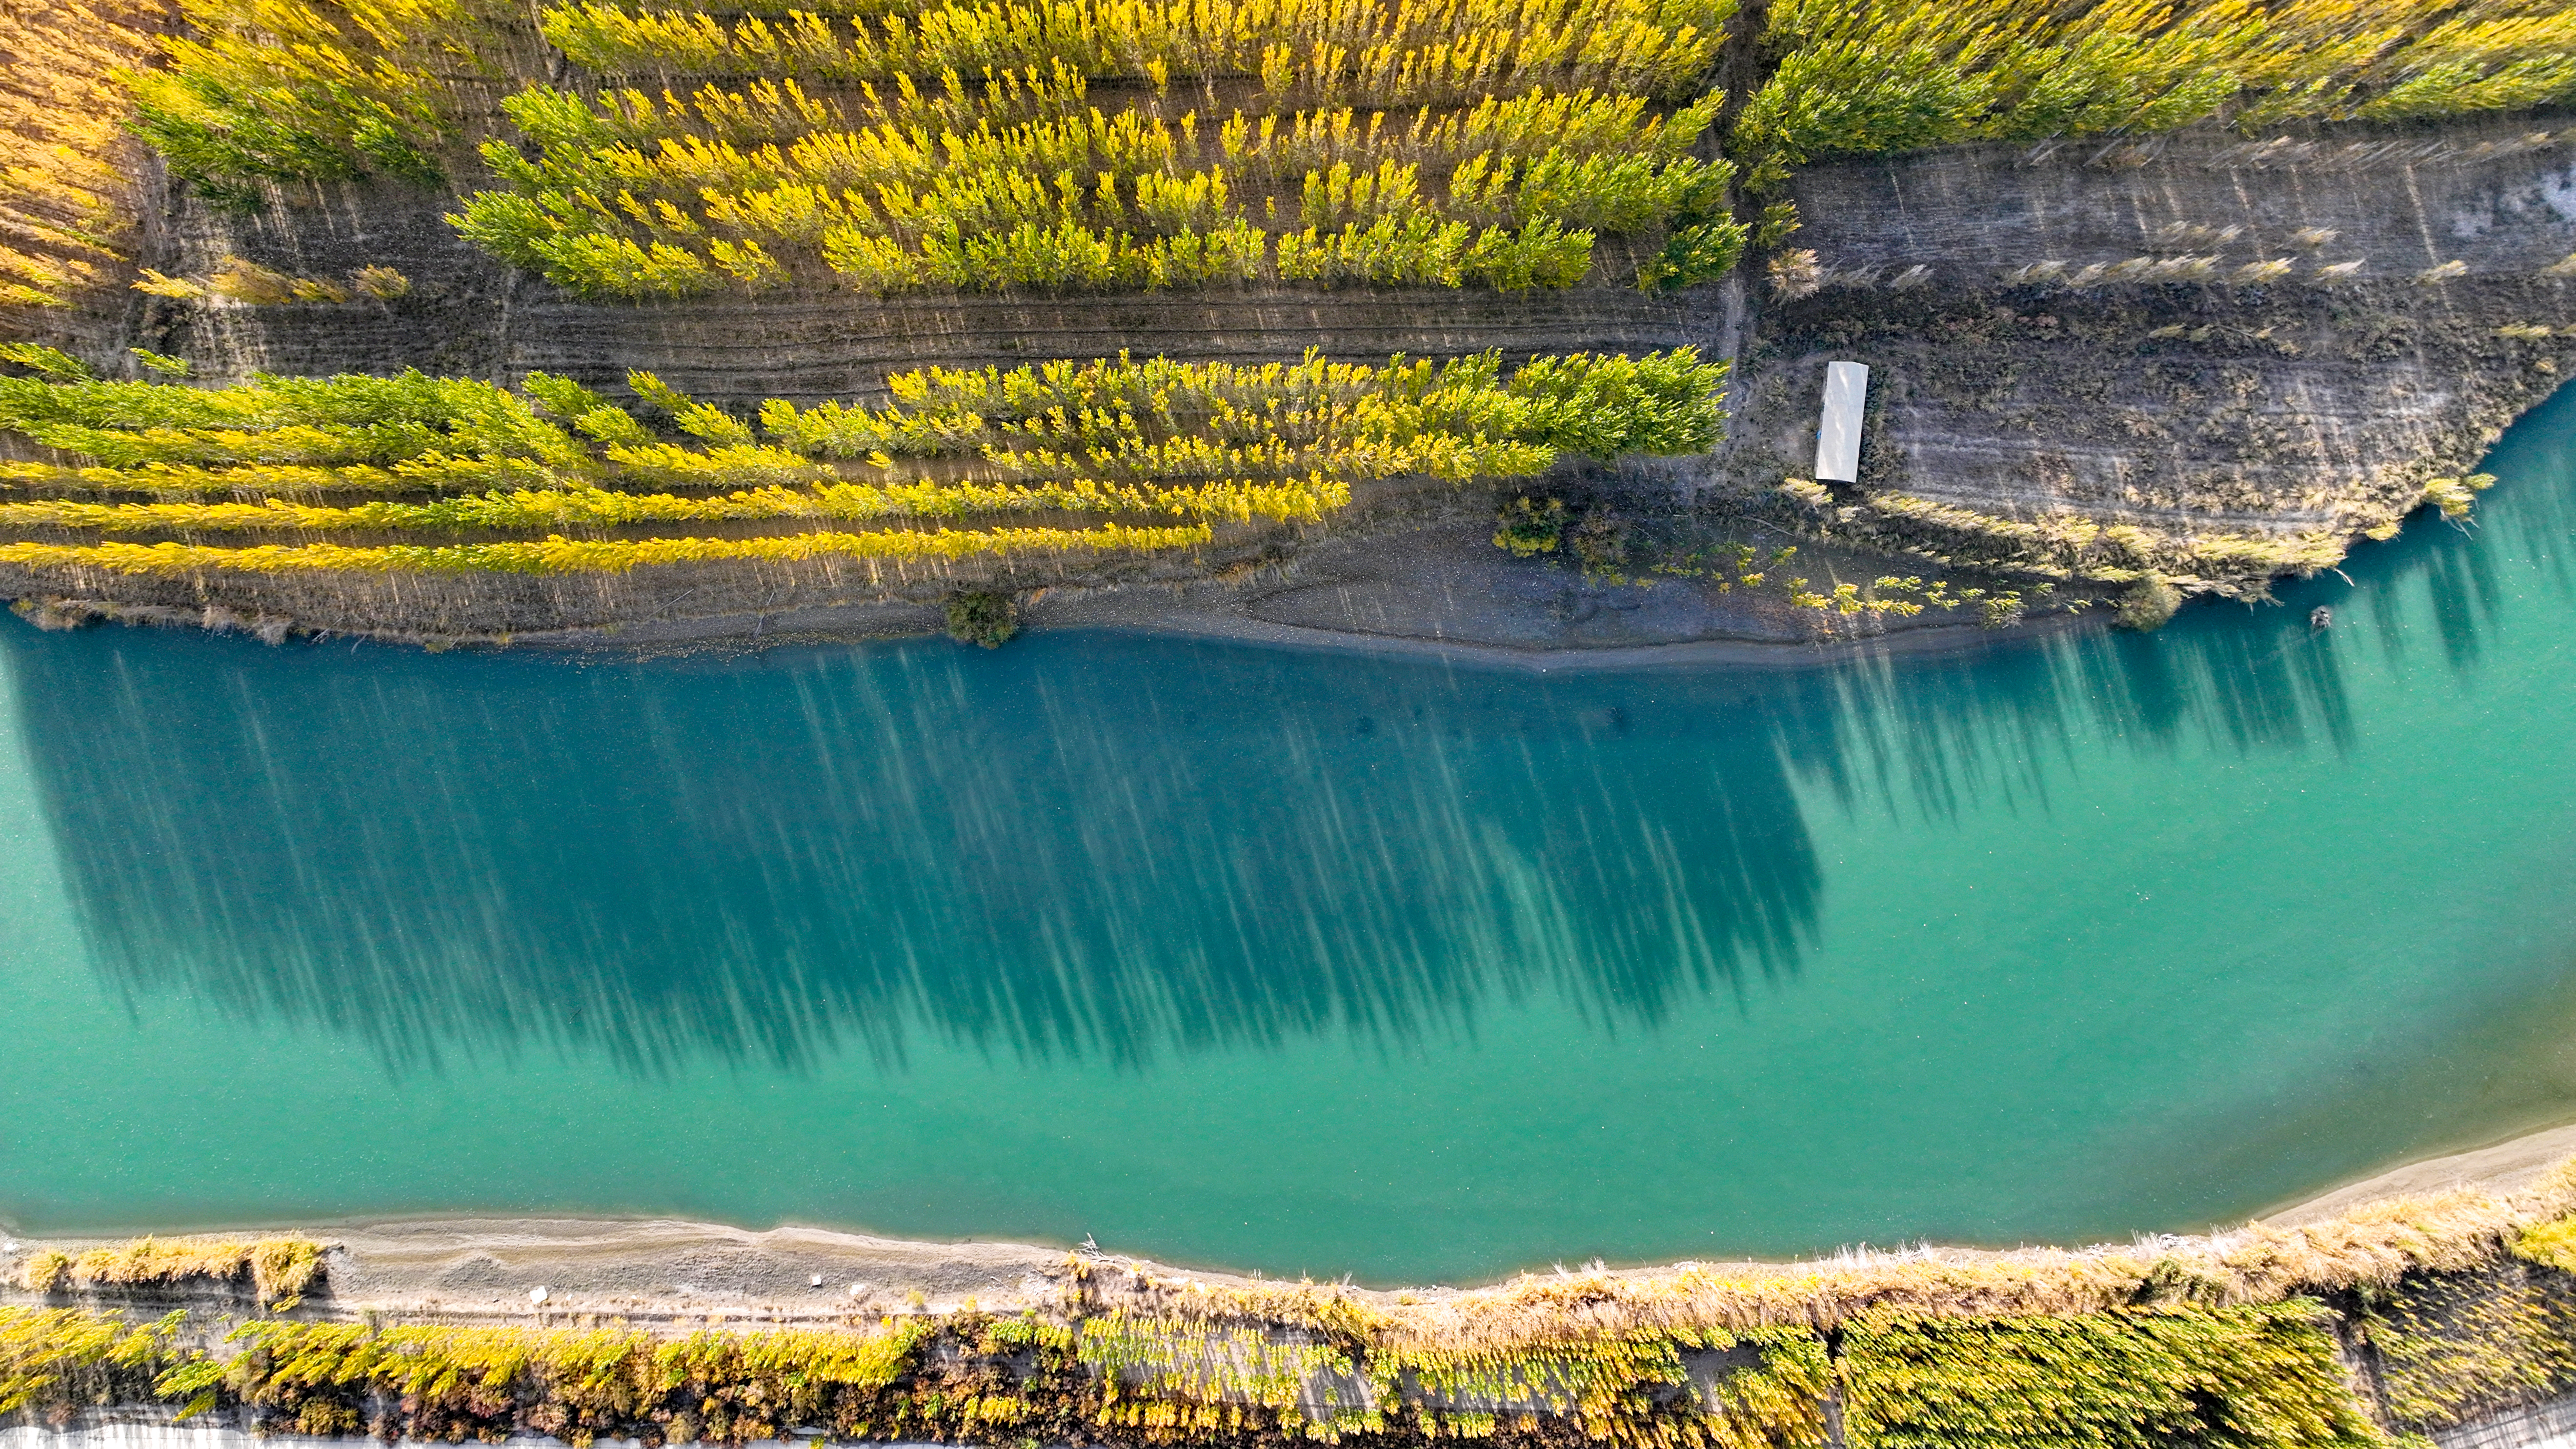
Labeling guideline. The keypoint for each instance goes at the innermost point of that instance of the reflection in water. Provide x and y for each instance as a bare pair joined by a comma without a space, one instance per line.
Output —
1084,844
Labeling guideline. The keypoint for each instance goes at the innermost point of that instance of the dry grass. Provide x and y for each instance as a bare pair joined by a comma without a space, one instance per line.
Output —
280,1269
2373,1245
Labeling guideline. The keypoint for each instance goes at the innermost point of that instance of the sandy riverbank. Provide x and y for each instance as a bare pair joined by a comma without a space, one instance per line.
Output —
475,1269
2503,1168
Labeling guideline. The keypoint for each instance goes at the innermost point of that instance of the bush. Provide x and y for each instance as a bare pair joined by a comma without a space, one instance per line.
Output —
2148,605
1601,541
560,555
1525,529
982,618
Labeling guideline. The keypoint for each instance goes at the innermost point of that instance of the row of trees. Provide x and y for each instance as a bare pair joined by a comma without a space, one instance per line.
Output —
1865,76
908,133
1181,445
436,473
559,555
1017,231
632,197
1664,402
1124,418
1384,52
1301,501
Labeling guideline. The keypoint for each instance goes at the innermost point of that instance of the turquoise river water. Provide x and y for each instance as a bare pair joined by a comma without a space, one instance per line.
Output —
1308,962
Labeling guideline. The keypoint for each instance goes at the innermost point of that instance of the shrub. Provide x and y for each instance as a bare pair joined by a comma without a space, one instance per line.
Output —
2551,1244
1796,274
1601,541
2148,604
2457,497
1525,529
247,281
986,619
381,282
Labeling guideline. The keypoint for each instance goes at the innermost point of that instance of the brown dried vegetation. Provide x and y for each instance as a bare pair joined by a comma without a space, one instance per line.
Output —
279,1269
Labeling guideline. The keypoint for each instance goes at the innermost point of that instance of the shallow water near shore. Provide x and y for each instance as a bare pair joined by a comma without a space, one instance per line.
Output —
1308,962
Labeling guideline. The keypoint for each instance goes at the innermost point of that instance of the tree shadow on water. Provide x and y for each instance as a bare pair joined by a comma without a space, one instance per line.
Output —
1111,846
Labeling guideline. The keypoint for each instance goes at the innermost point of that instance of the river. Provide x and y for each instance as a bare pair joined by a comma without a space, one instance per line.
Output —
1308,962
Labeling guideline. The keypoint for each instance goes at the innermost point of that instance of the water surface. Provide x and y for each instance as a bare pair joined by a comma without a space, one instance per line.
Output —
1308,962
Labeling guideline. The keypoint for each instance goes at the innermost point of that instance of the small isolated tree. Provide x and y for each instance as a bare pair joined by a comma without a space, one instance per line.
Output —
2148,604
1526,530
976,617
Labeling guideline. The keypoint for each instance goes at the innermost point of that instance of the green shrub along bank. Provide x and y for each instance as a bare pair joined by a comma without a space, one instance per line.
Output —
2262,1375
984,619
338,462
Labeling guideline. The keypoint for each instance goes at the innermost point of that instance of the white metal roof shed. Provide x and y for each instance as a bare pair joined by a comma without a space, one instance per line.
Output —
1838,435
